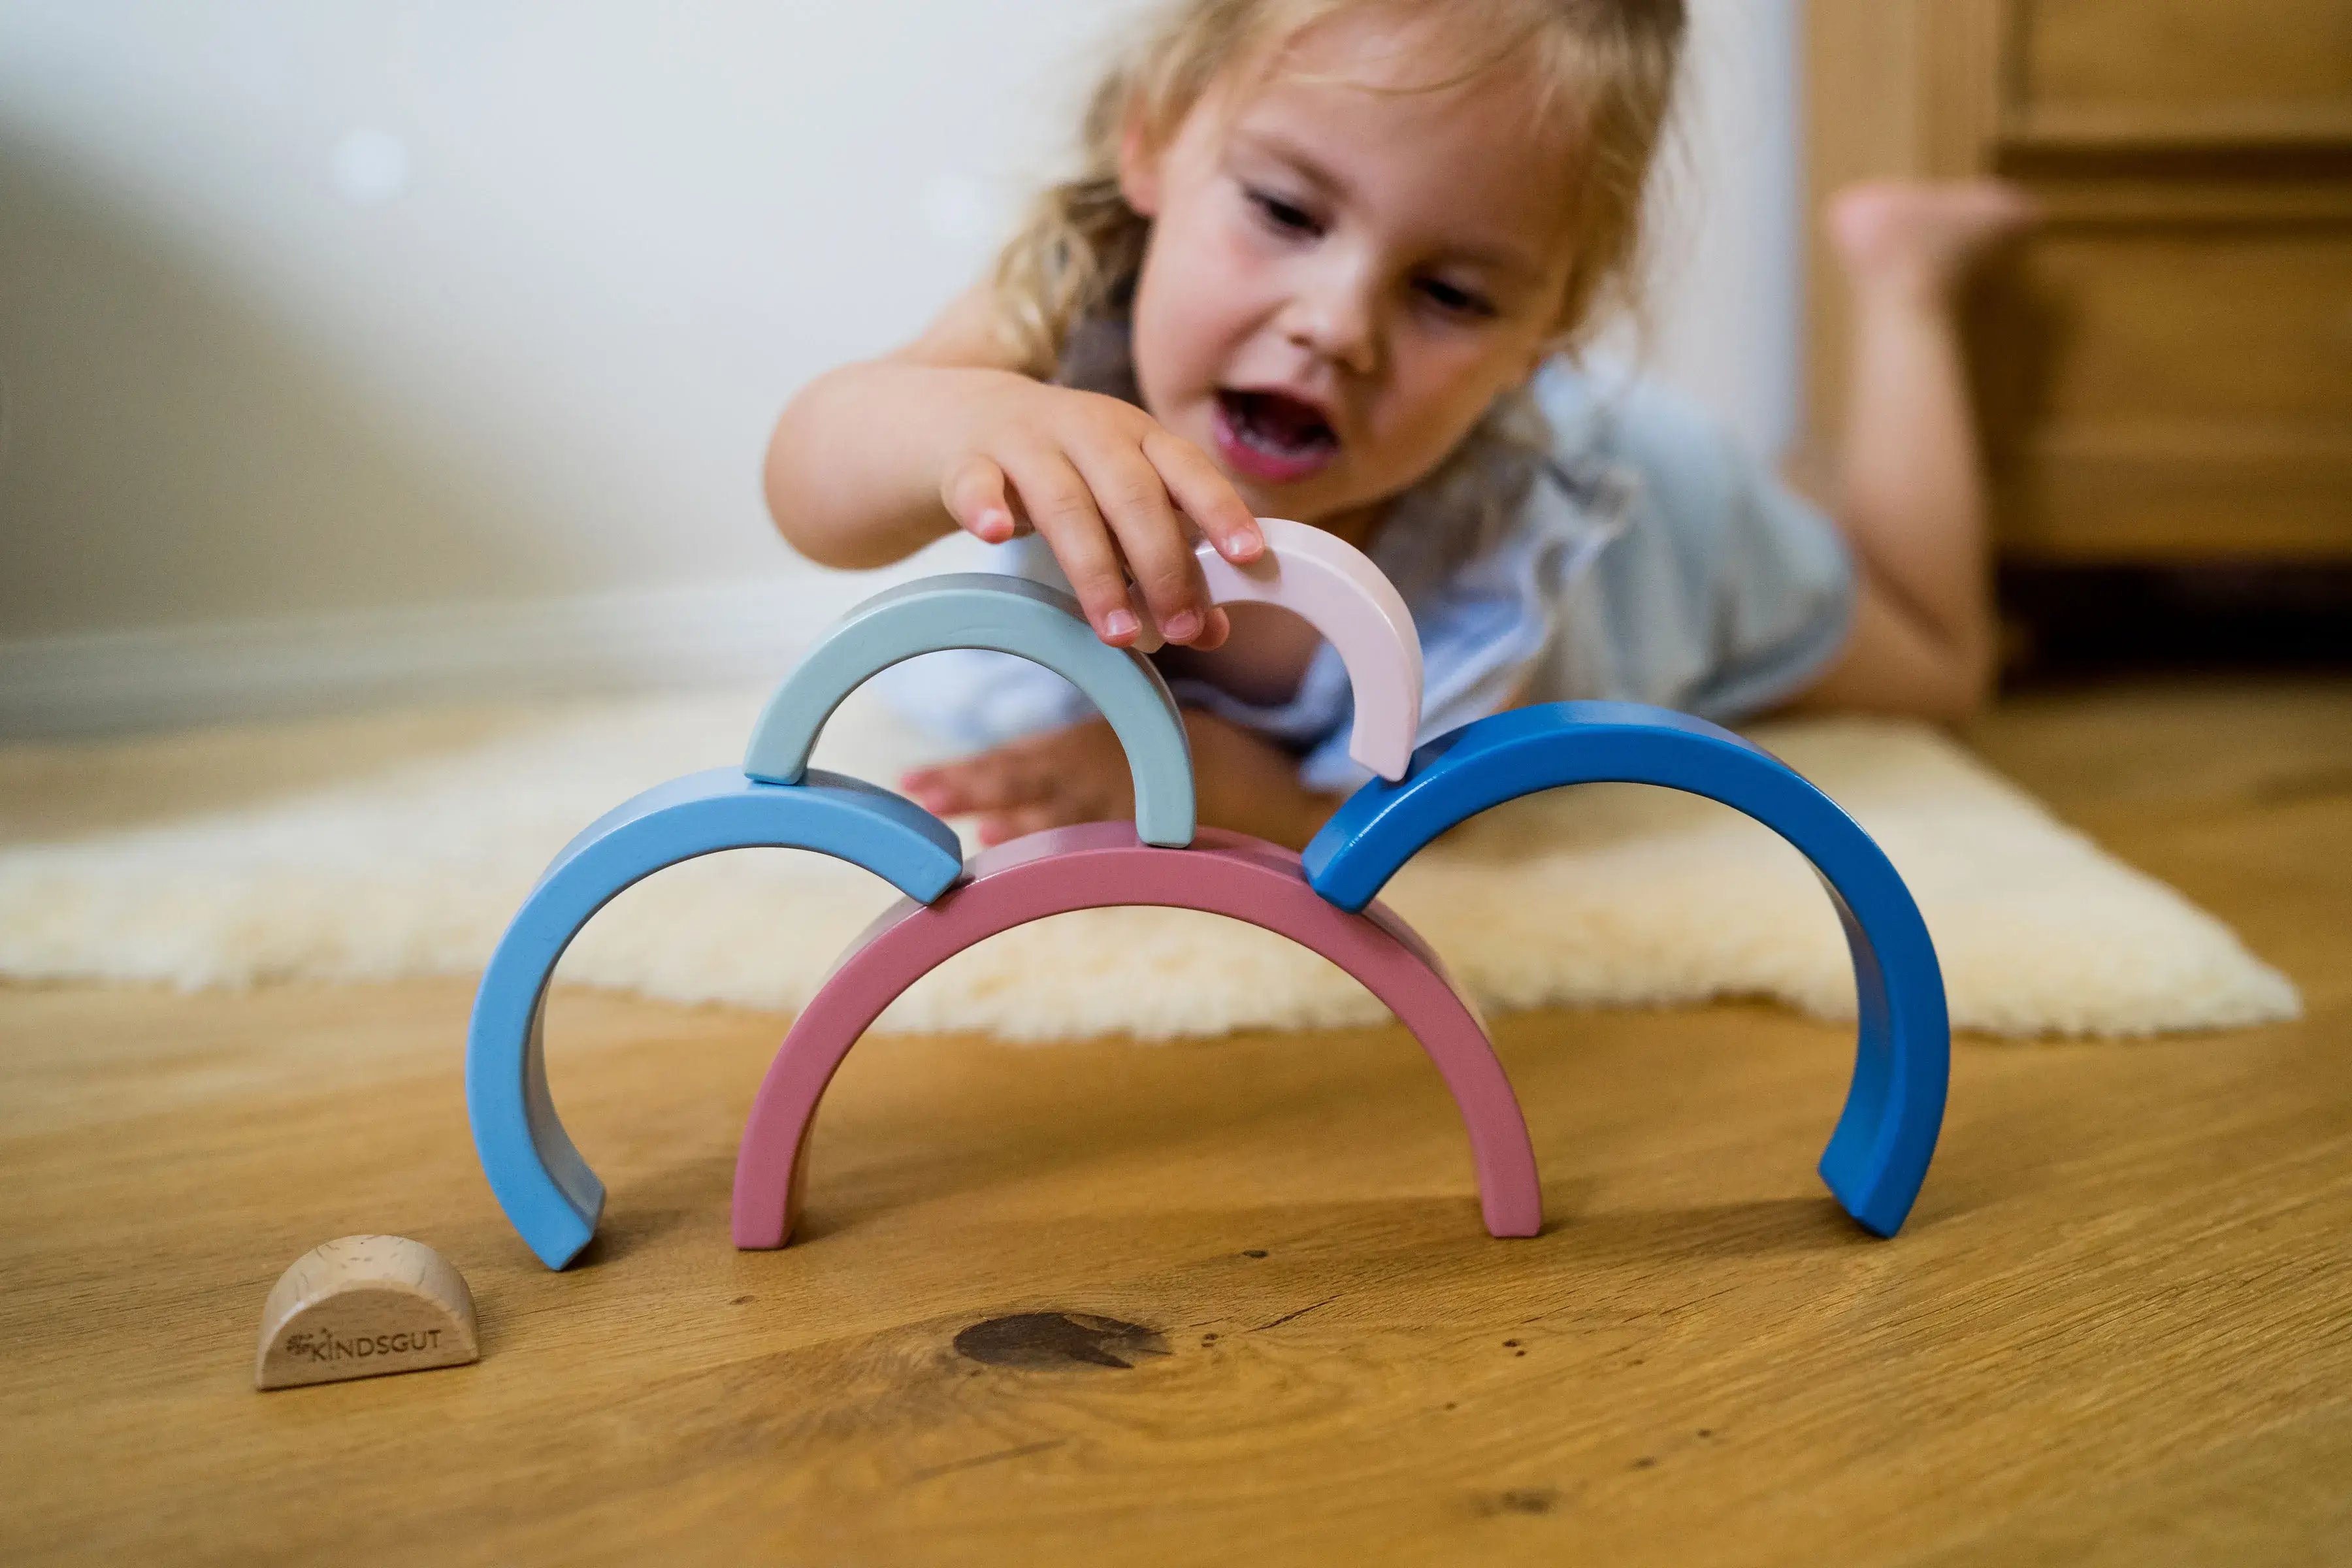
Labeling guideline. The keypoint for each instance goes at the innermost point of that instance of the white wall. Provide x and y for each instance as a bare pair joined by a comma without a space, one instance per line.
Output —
1729,270
351,349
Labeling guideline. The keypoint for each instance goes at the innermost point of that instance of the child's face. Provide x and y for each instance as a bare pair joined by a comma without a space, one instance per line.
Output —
1346,268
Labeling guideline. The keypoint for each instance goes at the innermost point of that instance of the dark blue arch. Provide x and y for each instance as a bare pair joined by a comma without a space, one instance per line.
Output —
546,1188
1878,1156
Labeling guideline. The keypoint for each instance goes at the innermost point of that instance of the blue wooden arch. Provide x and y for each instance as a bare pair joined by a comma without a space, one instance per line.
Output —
546,1188
1878,1156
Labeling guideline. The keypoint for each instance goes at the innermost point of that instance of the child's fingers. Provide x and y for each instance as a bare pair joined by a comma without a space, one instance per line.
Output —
1149,639
1062,507
933,791
938,790
998,826
943,791
994,781
1206,496
974,495
1152,537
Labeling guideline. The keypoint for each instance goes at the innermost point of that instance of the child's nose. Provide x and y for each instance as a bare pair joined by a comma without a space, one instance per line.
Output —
1335,315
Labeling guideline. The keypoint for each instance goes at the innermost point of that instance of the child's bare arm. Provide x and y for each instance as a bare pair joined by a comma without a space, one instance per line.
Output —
872,461
1078,774
1897,661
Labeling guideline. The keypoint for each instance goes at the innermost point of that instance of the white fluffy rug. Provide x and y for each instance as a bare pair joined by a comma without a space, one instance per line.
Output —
375,848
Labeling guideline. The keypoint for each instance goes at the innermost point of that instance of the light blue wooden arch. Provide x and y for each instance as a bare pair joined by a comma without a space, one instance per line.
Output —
1010,614
1878,1156
546,1188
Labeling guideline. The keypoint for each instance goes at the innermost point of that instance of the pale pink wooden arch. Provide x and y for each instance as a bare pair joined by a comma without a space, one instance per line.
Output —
1099,865
1336,589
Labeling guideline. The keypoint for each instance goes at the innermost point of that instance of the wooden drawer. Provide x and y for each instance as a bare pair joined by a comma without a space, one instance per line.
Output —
2160,390
2197,328
2167,72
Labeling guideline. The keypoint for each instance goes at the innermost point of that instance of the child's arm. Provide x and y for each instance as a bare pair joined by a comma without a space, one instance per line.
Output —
1245,783
872,461
1900,658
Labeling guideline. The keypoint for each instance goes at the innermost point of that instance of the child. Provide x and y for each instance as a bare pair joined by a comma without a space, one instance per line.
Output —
1325,263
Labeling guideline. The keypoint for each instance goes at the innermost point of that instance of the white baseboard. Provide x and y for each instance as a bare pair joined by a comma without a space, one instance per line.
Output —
93,683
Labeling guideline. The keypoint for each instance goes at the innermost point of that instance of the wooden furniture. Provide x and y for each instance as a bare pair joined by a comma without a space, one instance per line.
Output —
2166,371
1166,1303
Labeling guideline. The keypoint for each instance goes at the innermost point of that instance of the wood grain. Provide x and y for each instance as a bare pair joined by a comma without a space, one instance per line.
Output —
2154,58
365,1306
1166,1304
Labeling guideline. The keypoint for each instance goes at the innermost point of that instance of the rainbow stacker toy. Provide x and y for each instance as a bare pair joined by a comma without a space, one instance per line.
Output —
1877,1156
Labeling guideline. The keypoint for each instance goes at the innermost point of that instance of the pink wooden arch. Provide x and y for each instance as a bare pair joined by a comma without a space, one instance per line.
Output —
1336,589
1098,865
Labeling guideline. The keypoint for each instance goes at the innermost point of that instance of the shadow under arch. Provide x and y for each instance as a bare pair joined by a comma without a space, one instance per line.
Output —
546,1188
1096,866
1878,1156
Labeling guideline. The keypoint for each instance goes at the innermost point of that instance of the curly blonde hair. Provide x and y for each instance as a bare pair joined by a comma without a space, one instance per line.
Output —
1608,66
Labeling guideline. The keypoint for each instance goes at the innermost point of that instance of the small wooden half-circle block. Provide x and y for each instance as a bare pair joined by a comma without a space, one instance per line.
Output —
538,1175
1008,614
1878,1156
1334,587
1100,864
362,1306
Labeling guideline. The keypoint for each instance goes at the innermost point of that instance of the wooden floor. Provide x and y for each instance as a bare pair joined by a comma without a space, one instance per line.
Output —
1231,1299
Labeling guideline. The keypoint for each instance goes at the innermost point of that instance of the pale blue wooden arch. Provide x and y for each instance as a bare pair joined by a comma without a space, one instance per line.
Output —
1878,1156
546,1188
1010,614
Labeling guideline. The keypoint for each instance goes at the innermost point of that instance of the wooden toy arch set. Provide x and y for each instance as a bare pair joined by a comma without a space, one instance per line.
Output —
1877,1155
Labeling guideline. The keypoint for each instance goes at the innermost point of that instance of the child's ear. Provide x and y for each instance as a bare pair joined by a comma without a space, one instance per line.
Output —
1139,166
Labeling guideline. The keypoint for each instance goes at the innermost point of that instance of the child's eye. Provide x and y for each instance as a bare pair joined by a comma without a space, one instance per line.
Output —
1286,216
1454,299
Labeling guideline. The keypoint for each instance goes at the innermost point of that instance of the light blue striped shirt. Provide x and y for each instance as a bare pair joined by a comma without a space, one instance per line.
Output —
1647,558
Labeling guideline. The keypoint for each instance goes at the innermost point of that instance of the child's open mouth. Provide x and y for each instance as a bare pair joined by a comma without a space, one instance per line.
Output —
1273,437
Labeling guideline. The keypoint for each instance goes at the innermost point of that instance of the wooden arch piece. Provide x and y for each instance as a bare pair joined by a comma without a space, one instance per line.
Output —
549,1192
1336,589
1099,864
1010,614
1878,1156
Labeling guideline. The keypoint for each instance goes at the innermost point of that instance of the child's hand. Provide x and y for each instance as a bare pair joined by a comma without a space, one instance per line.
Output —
1081,775
1104,484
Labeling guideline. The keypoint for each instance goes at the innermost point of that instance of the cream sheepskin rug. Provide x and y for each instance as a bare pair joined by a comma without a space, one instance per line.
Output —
379,847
